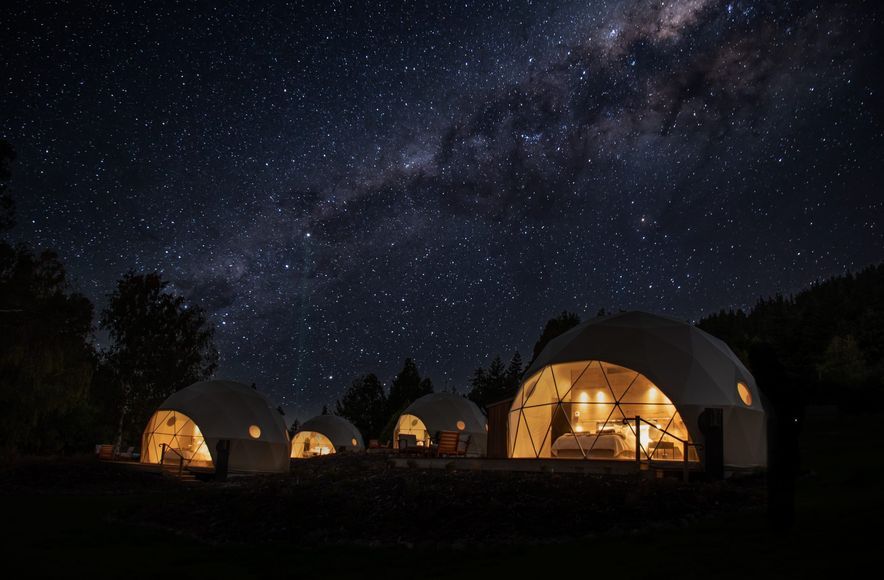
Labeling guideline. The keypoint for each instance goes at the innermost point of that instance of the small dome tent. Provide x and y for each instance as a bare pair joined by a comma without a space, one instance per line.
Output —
326,434
436,412
191,422
631,380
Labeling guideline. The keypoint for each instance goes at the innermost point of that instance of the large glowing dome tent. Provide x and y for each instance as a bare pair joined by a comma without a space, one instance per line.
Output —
633,385
190,424
324,435
437,412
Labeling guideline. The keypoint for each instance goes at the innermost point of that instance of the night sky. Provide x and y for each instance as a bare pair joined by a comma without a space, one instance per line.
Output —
344,185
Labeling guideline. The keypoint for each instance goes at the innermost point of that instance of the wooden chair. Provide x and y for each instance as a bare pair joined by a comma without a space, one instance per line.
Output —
407,443
127,454
463,444
447,443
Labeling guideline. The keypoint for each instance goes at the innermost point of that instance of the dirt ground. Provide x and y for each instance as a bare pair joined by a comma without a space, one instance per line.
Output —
357,517
362,499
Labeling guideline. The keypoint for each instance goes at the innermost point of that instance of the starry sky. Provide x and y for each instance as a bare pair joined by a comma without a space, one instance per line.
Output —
341,185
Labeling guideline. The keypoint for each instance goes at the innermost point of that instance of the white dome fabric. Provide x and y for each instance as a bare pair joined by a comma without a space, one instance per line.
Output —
694,370
228,410
442,411
338,430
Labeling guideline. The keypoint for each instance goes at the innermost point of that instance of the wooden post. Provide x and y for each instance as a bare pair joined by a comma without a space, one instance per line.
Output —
684,462
638,440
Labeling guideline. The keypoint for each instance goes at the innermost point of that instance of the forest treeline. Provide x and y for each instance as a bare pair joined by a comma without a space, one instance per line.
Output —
829,338
61,392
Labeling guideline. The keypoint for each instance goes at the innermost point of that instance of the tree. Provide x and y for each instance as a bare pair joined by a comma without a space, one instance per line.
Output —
325,410
496,383
842,362
829,337
554,327
406,387
7,204
46,356
365,405
159,344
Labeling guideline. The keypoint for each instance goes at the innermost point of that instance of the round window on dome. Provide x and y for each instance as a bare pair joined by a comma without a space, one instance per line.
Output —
254,431
461,425
745,393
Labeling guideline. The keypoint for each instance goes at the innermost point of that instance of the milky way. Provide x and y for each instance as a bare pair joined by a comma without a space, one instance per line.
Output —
341,186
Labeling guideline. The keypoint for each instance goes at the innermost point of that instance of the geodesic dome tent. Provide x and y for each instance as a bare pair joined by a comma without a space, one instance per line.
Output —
436,412
326,434
190,423
634,384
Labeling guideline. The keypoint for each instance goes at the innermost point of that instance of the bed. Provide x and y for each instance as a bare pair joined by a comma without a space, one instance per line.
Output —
607,444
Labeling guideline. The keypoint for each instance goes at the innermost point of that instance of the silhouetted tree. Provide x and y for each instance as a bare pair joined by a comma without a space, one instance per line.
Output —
784,403
294,427
406,387
514,371
324,410
159,344
554,327
46,357
365,405
829,337
495,383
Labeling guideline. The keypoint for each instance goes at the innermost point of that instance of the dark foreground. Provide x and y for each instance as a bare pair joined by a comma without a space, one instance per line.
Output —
357,517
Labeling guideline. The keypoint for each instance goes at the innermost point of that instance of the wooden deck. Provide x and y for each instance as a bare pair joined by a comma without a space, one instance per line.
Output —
589,466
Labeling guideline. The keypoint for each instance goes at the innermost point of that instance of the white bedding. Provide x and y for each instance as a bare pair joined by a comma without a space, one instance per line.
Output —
613,442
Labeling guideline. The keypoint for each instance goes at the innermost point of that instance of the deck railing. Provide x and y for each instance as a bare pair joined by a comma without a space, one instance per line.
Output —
686,446
182,461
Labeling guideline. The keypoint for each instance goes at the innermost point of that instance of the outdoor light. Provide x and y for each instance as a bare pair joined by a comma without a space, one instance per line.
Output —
254,431
461,425
353,442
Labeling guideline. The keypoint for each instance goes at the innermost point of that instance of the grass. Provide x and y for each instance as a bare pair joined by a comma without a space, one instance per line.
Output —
56,531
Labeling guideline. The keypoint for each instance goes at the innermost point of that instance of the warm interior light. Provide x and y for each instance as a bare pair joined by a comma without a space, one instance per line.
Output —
311,444
461,425
745,393
602,406
176,431
254,431
410,425
353,442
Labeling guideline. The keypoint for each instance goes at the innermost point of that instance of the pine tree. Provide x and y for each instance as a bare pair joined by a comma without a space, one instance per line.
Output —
553,328
159,344
365,405
406,387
